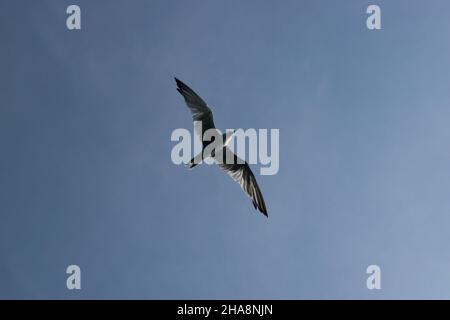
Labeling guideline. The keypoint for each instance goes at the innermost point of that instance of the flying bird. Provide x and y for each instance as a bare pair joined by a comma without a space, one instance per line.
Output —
238,169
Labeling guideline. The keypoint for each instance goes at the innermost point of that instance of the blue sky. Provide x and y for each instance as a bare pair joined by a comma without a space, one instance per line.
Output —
86,176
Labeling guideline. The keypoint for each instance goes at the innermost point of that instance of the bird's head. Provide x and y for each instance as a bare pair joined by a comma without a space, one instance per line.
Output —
227,136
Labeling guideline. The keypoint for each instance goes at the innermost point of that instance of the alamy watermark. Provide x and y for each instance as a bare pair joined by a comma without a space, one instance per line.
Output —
74,279
374,279
73,21
210,147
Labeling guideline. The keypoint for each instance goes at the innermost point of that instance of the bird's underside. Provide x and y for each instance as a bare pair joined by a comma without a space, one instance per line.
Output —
237,169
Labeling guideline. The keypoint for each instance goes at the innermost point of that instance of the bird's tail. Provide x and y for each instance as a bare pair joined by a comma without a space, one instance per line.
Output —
195,161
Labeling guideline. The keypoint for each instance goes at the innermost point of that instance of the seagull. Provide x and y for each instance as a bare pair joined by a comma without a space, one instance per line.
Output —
239,169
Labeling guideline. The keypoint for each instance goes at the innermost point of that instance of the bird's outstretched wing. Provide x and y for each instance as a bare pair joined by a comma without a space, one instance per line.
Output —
199,109
241,173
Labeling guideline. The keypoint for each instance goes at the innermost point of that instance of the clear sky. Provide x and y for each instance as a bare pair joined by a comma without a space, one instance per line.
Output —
86,176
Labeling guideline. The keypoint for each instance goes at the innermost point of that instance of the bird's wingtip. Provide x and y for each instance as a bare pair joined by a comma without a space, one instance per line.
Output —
180,85
262,210
178,81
